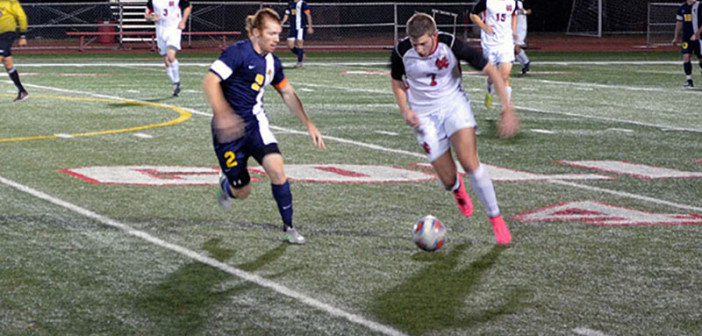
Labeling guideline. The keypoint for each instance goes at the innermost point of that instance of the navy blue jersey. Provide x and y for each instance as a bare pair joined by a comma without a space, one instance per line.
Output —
245,74
688,15
296,13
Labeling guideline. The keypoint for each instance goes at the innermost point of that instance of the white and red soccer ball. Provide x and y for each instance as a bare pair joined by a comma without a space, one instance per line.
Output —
429,233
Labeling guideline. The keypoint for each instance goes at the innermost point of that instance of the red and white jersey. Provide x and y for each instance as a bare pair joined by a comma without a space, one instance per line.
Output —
429,79
168,11
499,15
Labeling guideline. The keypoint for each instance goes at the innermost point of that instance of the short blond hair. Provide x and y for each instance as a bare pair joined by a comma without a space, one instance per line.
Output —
420,24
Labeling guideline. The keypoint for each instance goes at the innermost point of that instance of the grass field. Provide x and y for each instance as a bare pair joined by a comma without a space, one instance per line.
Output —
140,247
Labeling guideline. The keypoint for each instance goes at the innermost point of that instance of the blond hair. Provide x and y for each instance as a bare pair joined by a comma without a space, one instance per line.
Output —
257,20
420,24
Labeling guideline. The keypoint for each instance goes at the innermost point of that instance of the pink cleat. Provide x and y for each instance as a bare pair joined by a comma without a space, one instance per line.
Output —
463,200
502,234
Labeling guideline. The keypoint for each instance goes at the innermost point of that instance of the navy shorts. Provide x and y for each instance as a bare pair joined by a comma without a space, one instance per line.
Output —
690,47
6,40
233,156
297,34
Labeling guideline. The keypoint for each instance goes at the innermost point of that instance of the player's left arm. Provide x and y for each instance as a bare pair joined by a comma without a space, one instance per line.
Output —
294,104
310,30
186,13
509,121
22,20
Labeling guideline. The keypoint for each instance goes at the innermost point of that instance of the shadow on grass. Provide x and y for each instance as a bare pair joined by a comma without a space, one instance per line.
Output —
435,298
179,305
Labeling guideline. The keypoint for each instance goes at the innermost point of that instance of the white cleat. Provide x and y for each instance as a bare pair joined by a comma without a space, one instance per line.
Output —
223,198
292,237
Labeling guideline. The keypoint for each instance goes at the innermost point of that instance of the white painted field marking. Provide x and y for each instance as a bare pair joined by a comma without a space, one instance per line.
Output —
588,332
387,133
250,277
143,135
542,131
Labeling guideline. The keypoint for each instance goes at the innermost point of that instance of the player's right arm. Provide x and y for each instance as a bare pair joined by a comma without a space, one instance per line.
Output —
226,124
678,28
400,91
149,14
480,7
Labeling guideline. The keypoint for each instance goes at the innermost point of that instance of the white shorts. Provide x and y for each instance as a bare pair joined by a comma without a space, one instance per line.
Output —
500,54
437,127
521,36
168,39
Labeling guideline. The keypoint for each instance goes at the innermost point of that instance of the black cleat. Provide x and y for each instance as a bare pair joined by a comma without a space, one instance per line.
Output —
525,68
176,89
22,95
688,84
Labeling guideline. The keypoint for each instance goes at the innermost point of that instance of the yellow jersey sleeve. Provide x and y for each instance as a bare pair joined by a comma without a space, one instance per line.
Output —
12,15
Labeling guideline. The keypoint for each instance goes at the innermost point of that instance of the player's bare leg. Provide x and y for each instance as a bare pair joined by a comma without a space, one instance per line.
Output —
14,75
445,169
280,187
506,69
464,143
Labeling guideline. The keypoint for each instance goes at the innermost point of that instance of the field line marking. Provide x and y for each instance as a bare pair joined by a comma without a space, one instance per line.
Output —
398,151
582,331
554,181
250,277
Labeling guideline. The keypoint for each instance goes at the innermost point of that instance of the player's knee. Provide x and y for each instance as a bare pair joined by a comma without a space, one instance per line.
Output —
242,193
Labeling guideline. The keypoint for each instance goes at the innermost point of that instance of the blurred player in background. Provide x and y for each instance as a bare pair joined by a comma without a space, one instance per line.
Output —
687,21
300,25
235,88
11,16
428,87
498,33
170,23
521,36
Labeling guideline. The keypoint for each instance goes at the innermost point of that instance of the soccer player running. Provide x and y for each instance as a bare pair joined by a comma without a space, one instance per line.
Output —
300,26
498,28
240,128
170,23
687,21
521,36
12,15
428,87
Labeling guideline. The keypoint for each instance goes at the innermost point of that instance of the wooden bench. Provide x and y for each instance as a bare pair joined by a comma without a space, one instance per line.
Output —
88,37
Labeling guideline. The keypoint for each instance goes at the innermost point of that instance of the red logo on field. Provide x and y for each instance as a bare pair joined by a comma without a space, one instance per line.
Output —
603,214
442,63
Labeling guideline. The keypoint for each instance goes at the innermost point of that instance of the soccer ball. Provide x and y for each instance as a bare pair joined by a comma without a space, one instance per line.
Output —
429,233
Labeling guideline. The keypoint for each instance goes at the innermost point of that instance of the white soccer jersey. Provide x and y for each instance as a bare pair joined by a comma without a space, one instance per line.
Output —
499,15
168,11
521,22
429,79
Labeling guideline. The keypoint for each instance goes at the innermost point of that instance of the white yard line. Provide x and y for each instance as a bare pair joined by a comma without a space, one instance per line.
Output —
251,277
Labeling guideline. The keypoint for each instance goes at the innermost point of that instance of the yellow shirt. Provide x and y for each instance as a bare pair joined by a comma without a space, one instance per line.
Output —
11,14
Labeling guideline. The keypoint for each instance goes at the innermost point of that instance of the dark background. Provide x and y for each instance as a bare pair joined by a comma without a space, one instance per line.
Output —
547,16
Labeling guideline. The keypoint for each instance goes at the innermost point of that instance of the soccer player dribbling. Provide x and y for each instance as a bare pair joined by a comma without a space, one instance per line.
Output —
11,16
235,88
428,87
